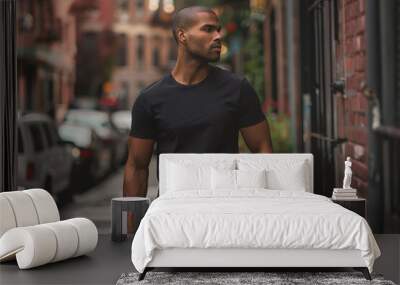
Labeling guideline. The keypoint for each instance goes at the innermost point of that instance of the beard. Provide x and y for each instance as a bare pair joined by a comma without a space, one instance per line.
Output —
201,57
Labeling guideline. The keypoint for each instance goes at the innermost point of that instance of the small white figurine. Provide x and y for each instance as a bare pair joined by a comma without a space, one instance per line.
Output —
347,174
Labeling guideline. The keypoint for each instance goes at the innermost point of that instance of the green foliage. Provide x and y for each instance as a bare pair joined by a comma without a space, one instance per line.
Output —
280,134
254,59
242,145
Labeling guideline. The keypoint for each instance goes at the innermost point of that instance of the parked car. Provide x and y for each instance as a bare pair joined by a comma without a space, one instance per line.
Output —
122,120
92,159
100,122
43,160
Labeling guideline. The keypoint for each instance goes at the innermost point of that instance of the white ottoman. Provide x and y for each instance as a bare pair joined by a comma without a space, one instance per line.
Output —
31,233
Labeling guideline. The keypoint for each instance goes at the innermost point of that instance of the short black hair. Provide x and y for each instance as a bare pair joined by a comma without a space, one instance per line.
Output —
184,18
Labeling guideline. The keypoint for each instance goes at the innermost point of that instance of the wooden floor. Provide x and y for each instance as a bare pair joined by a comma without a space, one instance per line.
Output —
110,260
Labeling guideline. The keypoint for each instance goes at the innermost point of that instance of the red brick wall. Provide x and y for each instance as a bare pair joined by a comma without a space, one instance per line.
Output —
106,8
352,107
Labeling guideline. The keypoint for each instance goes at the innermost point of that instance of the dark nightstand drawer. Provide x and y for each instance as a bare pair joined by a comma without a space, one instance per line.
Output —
356,205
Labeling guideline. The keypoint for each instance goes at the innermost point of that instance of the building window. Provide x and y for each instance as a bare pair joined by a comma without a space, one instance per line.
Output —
156,57
156,52
172,53
123,10
122,50
140,51
139,7
41,17
123,5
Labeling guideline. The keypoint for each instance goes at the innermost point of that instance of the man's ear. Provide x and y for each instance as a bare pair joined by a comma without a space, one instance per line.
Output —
181,36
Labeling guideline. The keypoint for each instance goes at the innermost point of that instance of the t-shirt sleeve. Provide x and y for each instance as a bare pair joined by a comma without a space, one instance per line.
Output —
143,125
250,112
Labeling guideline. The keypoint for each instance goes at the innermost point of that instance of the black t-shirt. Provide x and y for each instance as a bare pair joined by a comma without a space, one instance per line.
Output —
200,118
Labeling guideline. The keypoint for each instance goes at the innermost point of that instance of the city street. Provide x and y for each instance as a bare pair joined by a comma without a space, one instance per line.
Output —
95,203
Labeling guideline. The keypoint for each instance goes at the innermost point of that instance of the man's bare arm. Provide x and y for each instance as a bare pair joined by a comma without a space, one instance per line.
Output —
258,137
137,166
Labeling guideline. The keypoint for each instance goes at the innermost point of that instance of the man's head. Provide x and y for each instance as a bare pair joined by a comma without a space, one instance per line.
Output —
197,30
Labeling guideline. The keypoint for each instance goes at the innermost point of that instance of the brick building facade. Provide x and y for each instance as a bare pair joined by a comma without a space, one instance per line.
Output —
352,106
46,51
96,46
146,47
336,74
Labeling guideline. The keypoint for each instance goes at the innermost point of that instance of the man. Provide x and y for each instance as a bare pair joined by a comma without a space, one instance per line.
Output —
197,108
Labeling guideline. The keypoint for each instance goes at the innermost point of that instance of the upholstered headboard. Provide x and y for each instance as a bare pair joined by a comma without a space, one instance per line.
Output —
266,158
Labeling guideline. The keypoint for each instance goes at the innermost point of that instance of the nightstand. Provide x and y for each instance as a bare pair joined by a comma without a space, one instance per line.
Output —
120,208
358,205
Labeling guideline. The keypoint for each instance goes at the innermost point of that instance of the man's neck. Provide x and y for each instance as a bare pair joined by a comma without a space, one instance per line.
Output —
189,71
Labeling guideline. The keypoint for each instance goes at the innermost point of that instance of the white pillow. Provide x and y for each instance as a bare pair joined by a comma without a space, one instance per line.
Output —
282,174
223,179
204,162
251,178
236,179
290,179
188,178
186,174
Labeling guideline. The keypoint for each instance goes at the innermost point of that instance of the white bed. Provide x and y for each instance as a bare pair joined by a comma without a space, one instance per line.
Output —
249,227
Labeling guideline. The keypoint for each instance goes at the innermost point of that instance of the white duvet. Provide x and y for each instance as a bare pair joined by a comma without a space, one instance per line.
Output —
252,218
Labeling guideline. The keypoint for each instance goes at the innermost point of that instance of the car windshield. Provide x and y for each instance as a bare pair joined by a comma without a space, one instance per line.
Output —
78,135
98,121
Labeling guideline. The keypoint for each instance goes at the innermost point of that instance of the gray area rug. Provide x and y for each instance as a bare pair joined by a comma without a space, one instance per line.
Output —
229,278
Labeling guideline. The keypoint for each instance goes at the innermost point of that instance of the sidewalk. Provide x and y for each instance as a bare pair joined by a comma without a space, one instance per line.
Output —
95,203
